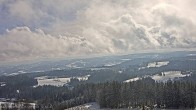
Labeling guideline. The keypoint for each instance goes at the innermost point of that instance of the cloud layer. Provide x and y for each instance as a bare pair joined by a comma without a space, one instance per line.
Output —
48,29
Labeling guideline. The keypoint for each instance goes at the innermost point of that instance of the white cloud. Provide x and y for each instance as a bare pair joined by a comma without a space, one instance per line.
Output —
23,10
105,26
21,43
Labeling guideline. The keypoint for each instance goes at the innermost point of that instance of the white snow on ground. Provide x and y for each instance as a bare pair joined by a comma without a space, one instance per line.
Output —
133,79
97,69
14,74
95,106
157,64
22,71
120,71
88,106
165,76
2,84
56,69
126,59
141,68
45,80
38,71
72,66
112,63
191,55
51,81
82,78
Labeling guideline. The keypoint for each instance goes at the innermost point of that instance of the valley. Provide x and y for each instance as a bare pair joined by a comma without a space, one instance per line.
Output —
67,78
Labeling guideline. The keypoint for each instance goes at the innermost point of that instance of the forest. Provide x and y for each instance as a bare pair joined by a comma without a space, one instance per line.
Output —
144,93
113,94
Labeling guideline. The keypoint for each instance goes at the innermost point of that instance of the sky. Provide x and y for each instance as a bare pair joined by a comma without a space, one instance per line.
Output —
37,29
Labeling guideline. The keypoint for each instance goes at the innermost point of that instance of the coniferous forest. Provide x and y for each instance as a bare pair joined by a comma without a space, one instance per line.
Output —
171,94
141,93
107,86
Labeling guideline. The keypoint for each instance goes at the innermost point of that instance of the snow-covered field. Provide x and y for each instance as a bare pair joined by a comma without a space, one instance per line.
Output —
55,81
165,76
52,81
157,64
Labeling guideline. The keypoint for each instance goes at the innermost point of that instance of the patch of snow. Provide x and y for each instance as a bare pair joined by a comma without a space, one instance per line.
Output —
97,69
55,81
157,64
22,71
88,106
44,80
126,59
141,68
120,71
42,77
4,74
35,86
13,74
38,71
112,63
72,66
133,79
83,78
169,75
56,69
191,55
2,84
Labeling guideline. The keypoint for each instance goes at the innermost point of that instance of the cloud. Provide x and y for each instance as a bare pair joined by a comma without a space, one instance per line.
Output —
21,43
47,28
22,10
